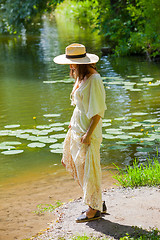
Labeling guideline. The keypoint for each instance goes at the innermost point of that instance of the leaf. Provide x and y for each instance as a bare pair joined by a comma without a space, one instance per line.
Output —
12,152
56,146
12,126
11,143
147,79
5,147
58,136
106,124
36,145
108,136
139,114
56,151
51,115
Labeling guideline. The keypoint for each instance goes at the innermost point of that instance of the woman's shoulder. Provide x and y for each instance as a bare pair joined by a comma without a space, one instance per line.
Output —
95,76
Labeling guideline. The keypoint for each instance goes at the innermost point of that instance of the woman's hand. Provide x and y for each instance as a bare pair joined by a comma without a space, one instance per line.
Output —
86,139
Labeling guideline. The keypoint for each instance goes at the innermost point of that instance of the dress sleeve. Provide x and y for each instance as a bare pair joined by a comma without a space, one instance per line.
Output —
94,98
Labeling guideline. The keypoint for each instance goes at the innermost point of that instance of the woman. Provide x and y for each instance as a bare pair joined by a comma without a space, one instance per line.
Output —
81,153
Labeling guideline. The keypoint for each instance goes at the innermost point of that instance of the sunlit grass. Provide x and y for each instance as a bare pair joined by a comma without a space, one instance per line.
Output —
139,234
47,207
147,174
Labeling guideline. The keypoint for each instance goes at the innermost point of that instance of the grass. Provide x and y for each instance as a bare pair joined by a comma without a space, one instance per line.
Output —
147,174
47,207
154,234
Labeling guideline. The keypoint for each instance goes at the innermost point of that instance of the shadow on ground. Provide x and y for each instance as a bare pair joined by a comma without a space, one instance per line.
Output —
117,230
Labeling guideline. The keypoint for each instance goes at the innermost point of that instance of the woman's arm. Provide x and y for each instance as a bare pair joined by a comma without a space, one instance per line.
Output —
86,138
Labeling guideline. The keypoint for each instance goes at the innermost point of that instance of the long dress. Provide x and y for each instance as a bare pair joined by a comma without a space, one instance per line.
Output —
83,160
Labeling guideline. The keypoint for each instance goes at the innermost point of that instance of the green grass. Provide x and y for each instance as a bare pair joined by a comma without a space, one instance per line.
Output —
147,174
154,234
47,207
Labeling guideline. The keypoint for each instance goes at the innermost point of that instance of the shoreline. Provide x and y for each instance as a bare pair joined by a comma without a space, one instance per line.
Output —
19,201
130,211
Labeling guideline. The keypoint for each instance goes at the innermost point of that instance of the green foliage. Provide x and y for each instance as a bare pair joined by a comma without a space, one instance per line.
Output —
16,15
154,234
85,12
147,174
47,207
130,27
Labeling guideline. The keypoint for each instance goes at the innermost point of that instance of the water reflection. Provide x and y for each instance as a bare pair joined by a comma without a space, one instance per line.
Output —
24,66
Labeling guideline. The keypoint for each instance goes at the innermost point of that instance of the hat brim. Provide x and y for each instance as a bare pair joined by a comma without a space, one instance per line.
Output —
88,59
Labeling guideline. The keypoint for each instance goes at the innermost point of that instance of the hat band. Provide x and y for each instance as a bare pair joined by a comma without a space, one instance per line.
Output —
76,56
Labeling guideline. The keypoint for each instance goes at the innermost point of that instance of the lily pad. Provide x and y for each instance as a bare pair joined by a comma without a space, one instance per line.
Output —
56,151
121,118
155,136
147,79
57,129
4,133
114,78
108,136
106,124
32,138
51,115
136,134
43,126
12,126
11,143
141,84
148,139
127,127
117,147
43,133
12,152
58,136
114,131
124,137
139,114
58,124
133,76
140,149
130,83
115,83
56,146
151,120
22,136
36,144
5,147
137,125
47,140
106,120
136,90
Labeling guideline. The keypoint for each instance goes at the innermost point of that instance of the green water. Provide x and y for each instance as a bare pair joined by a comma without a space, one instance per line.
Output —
26,65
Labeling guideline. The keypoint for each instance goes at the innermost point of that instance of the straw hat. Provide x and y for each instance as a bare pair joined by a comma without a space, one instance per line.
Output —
76,54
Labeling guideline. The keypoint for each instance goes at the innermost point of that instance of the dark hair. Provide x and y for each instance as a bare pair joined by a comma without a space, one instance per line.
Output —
81,71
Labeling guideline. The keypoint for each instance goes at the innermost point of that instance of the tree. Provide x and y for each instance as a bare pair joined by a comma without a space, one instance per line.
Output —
18,14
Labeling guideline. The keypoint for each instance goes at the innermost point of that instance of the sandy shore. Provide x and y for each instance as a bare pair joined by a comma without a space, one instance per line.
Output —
18,203
126,208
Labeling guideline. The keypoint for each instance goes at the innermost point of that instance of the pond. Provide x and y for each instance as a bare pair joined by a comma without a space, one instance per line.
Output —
35,102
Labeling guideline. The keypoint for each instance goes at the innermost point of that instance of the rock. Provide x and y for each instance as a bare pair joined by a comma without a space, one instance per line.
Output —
106,50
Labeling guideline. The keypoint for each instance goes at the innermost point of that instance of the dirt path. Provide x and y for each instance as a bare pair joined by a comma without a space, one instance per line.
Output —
126,208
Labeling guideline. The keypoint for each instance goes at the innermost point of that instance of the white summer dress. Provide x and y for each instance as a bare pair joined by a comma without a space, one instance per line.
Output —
83,160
